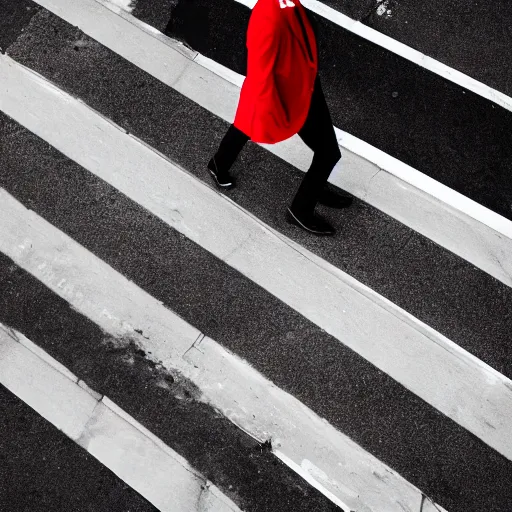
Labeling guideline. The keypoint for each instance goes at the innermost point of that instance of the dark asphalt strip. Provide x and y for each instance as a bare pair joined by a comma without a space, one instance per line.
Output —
14,17
156,13
243,469
428,449
471,36
471,308
42,470
452,135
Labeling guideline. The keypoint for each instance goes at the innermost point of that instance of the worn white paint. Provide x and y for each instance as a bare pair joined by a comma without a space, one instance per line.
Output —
424,361
107,432
466,228
228,383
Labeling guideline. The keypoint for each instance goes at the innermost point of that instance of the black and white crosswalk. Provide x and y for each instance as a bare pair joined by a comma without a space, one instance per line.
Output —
207,354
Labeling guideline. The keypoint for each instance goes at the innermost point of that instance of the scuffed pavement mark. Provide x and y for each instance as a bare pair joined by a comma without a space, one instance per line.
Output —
126,350
381,9
386,8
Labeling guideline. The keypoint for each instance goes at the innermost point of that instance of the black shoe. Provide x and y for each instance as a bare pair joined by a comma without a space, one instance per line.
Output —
222,178
311,222
334,200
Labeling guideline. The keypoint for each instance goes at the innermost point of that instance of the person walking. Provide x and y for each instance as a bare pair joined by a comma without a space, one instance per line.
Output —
281,96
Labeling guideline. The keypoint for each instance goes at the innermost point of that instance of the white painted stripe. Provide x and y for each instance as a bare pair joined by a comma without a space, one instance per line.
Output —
401,49
107,432
228,383
50,392
308,471
304,473
427,363
466,228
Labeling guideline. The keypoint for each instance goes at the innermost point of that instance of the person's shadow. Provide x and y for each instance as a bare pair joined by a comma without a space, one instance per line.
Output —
202,27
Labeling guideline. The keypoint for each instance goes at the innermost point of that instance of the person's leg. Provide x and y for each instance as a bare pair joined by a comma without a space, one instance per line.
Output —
318,133
229,148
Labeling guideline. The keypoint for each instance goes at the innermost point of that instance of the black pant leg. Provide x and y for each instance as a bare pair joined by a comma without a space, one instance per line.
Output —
229,148
318,133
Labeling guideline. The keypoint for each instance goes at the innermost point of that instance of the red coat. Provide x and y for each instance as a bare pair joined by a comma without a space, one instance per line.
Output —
276,93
